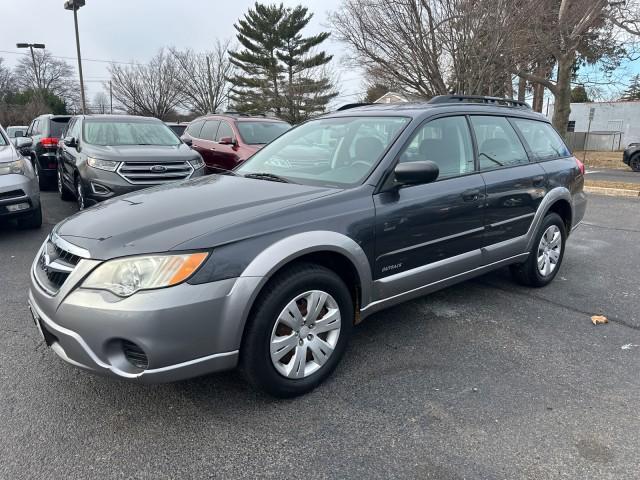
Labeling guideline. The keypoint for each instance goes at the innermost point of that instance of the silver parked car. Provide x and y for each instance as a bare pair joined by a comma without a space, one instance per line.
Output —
19,191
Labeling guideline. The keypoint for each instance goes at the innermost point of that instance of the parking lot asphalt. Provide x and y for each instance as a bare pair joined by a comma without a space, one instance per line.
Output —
482,380
625,176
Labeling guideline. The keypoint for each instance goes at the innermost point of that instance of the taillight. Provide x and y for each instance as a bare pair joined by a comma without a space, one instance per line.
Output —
580,165
49,142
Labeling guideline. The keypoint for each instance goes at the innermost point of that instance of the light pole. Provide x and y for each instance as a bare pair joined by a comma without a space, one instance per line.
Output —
31,46
75,5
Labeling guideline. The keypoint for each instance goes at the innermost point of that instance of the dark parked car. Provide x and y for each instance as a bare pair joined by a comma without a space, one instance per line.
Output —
271,267
178,128
631,156
103,156
45,131
225,141
19,191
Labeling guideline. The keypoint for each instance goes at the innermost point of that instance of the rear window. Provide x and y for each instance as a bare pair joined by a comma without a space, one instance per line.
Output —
57,126
259,133
544,142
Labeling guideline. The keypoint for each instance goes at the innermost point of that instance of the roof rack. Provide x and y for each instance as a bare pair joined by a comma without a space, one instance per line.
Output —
496,101
241,114
352,105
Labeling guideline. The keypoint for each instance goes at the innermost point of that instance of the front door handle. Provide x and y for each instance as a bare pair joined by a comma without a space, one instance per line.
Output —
471,195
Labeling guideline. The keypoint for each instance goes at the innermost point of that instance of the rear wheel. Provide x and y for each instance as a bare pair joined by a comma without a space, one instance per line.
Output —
41,180
298,331
635,162
545,256
63,190
32,221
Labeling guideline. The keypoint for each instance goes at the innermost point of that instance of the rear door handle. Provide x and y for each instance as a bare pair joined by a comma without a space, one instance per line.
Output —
538,181
471,195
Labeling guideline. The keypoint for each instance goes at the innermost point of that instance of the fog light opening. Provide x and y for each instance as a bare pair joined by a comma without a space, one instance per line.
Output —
135,355
18,207
99,189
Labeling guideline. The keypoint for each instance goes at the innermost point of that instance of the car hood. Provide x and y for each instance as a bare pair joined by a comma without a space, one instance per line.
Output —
8,153
161,218
141,153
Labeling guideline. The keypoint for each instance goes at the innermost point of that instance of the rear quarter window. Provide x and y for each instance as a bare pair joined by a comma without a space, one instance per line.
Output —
543,141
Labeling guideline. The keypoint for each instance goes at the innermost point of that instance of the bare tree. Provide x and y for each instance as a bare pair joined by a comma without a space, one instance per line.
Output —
561,32
7,80
151,89
50,74
203,78
429,47
101,103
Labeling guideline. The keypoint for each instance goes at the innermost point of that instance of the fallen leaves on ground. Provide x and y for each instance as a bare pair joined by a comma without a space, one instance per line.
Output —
599,319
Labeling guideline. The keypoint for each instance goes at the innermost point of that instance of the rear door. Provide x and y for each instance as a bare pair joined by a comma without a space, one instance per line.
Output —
426,233
515,185
205,144
69,155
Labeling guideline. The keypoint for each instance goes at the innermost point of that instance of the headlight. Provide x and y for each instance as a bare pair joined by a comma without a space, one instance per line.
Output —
196,163
16,167
108,165
126,276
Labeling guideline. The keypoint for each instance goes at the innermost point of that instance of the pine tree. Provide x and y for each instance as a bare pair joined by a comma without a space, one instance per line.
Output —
279,70
633,92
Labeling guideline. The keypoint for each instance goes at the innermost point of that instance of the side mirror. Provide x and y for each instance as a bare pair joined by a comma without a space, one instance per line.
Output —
416,173
227,141
23,142
70,142
186,140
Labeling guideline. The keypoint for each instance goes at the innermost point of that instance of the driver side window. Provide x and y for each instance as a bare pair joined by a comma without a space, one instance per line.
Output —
444,141
498,144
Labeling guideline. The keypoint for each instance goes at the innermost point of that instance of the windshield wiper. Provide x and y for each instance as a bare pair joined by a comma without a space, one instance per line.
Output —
267,176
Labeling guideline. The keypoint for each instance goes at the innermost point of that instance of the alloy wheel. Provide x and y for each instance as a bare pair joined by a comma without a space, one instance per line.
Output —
305,334
80,194
59,182
549,250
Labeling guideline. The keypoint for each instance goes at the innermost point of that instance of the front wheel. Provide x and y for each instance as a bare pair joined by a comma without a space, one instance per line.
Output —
545,256
298,331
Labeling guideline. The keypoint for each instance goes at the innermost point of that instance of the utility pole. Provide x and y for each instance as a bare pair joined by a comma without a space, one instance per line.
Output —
36,70
75,5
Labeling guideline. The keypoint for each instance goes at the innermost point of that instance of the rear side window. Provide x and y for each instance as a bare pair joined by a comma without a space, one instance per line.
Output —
544,142
445,141
194,128
498,143
209,130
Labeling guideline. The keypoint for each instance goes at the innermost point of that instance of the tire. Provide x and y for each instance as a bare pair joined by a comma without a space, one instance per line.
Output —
270,345
635,163
63,190
80,198
32,221
42,183
532,274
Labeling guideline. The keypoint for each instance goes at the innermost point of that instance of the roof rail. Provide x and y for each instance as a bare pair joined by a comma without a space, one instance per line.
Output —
352,105
496,101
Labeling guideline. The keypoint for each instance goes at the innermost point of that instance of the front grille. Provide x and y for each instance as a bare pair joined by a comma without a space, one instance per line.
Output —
54,266
145,173
12,194
135,355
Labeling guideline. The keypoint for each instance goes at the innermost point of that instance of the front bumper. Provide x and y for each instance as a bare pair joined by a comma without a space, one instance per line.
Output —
16,190
185,331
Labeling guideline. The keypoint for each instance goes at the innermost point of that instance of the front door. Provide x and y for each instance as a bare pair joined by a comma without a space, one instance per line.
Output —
205,144
225,154
425,233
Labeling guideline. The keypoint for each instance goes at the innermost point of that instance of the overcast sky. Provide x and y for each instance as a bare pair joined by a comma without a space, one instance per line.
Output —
134,30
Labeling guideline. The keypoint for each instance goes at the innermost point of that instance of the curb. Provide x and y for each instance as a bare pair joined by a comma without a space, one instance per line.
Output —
612,192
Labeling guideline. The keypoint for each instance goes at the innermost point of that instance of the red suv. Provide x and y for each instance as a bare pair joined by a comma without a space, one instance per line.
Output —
228,139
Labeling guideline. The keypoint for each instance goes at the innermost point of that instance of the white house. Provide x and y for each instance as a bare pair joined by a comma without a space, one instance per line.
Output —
609,118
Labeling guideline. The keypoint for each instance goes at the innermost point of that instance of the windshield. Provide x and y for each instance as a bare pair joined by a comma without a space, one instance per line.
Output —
258,133
333,151
127,132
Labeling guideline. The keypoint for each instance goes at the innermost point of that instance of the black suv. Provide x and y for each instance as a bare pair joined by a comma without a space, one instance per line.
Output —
631,156
45,131
102,156
271,267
